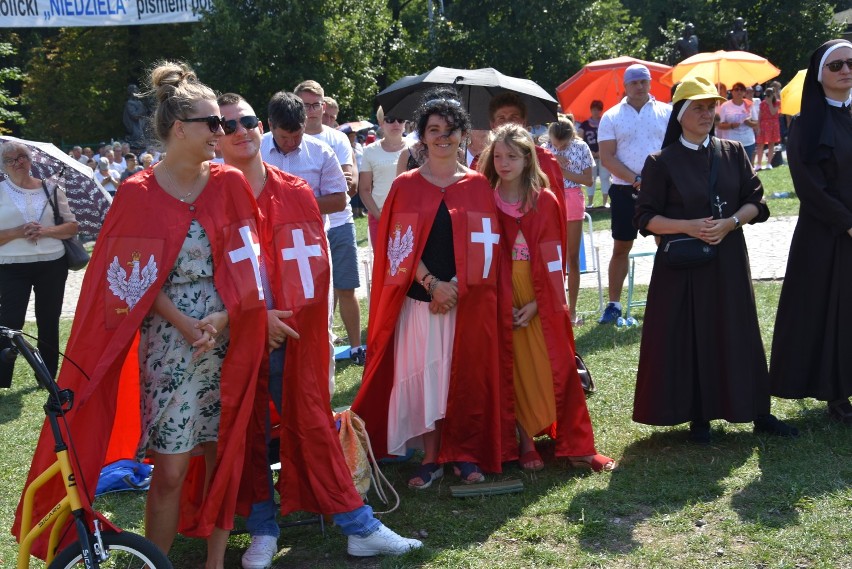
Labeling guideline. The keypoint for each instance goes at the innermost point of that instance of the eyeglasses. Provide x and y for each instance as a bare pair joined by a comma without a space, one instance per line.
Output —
16,160
249,122
213,122
836,66
391,120
313,106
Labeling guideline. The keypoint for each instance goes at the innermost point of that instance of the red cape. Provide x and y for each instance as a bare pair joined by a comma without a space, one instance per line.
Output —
314,476
550,166
145,222
472,419
544,229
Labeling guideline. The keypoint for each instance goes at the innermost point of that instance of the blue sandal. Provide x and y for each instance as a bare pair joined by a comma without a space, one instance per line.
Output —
465,469
428,472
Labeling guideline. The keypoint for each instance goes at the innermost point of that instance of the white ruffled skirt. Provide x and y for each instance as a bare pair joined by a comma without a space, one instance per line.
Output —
423,359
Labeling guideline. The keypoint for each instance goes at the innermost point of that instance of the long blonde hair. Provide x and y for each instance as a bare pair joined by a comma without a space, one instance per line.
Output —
532,178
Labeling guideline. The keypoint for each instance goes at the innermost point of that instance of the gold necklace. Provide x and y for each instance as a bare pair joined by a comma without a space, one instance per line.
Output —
175,186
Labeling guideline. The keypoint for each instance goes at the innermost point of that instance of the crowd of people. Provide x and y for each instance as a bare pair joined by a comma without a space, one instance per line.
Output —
470,349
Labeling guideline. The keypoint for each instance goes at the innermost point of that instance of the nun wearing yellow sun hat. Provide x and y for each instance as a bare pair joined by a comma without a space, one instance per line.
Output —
701,357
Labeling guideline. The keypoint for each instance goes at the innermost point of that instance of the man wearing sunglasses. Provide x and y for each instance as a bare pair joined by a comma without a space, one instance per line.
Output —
295,246
341,234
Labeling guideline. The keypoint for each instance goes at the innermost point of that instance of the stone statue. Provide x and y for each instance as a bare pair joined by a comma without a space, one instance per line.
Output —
687,44
135,117
737,39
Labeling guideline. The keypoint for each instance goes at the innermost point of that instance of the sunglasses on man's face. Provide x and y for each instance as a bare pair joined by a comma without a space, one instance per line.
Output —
213,122
391,120
248,122
836,66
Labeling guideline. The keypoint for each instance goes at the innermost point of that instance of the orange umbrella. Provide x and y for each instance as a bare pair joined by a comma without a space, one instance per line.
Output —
604,80
791,94
726,67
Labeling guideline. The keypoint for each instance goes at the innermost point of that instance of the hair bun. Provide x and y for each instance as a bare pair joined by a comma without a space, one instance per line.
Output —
167,77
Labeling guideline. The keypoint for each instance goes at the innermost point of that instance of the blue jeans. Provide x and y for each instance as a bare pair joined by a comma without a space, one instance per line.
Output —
262,519
749,151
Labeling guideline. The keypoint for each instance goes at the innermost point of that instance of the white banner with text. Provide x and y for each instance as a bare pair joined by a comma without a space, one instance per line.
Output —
81,13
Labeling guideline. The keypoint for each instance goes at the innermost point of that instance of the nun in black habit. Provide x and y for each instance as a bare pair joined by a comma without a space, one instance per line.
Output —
812,344
701,356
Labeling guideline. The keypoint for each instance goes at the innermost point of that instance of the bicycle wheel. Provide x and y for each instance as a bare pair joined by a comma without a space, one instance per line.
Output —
126,551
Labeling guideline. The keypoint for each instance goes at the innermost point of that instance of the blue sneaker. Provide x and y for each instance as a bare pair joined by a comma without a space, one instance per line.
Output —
611,315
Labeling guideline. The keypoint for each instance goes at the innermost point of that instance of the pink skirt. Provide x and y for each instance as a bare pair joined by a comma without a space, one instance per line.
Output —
422,361
575,203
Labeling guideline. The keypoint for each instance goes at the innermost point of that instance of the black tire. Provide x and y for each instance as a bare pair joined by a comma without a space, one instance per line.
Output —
126,550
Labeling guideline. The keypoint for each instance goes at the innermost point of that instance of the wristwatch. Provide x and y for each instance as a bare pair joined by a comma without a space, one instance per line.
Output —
637,180
736,220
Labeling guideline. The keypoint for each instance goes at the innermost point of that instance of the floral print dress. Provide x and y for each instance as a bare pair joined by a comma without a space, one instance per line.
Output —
180,400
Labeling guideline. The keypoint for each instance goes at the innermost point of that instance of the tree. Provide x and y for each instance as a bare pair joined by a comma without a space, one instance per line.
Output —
257,48
546,41
787,42
8,116
76,83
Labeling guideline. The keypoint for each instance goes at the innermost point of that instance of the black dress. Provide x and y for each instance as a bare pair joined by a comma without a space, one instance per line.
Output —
701,356
812,345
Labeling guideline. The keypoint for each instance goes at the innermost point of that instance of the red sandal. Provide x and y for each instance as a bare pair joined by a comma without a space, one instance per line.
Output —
529,459
597,463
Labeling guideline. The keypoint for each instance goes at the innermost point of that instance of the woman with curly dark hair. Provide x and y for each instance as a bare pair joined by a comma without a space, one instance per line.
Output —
431,378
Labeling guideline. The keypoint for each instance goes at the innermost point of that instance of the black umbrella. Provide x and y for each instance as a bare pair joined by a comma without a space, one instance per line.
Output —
476,87
87,198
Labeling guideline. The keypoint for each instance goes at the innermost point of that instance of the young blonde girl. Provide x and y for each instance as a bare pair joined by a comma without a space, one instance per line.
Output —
548,398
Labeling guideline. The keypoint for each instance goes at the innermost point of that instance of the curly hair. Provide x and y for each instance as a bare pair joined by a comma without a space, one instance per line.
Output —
533,178
177,90
443,102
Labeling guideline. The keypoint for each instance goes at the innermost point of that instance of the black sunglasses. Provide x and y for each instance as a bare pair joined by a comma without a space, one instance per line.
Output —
248,122
213,122
391,120
838,65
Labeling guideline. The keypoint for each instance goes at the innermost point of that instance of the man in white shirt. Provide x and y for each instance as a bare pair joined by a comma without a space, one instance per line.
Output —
108,177
627,134
286,146
118,162
341,234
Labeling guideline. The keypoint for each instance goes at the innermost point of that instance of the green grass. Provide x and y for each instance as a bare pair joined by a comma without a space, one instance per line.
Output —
743,502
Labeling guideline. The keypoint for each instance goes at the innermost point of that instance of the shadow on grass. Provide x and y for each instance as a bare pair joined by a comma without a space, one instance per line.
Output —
12,402
797,473
604,337
658,475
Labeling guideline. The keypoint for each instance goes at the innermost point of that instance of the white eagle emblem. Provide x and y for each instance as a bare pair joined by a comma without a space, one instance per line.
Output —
131,289
399,247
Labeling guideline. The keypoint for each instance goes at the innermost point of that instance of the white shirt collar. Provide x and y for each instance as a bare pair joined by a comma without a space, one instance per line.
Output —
834,103
692,146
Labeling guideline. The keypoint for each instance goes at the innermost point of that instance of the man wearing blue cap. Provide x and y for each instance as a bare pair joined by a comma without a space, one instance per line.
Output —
628,133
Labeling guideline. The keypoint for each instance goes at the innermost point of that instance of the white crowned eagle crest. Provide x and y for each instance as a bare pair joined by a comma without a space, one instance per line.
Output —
131,288
399,247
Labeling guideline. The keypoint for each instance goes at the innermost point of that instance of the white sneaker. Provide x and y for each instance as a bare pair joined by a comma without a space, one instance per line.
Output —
768,167
261,551
383,541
